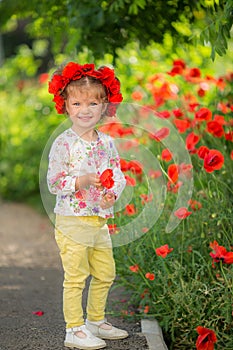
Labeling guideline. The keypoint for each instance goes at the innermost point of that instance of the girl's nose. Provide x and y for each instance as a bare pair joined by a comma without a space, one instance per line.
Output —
84,108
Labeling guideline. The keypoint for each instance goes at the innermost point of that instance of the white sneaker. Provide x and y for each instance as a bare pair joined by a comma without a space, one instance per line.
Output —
105,330
86,340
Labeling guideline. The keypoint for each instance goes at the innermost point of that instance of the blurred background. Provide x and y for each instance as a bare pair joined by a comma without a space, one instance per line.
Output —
139,38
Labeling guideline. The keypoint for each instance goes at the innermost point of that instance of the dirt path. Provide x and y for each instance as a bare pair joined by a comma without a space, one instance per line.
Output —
31,281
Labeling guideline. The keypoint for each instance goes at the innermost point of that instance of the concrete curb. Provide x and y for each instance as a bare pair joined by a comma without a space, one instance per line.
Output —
153,333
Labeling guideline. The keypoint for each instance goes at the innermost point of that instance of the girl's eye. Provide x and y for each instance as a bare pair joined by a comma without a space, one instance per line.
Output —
93,104
76,104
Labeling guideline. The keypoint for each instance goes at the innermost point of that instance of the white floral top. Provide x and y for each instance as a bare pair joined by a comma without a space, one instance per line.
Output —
71,156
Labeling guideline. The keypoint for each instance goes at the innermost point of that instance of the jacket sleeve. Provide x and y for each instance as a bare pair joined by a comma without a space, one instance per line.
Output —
118,176
58,178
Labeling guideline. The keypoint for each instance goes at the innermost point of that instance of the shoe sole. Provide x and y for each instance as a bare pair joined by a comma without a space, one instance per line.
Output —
112,338
73,346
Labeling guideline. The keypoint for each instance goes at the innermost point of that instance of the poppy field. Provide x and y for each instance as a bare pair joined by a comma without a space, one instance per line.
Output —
183,278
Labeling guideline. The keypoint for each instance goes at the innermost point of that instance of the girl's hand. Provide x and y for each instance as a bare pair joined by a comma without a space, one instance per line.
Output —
107,200
87,180
93,179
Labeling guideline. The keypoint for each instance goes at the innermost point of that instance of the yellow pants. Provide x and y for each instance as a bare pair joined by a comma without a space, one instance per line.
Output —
79,261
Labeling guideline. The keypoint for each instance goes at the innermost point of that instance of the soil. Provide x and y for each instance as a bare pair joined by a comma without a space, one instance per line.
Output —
31,281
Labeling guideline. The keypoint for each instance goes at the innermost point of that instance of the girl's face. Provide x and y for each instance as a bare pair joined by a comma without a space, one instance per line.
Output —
84,109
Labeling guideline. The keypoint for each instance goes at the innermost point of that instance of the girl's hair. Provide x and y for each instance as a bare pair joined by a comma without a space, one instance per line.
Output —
89,85
102,82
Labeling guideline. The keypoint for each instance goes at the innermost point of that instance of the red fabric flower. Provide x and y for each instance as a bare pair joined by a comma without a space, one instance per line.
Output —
213,160
163,251
182,213
206,339
74,71
106,178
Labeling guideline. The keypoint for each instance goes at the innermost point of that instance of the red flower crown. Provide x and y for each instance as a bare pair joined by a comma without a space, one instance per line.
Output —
74,71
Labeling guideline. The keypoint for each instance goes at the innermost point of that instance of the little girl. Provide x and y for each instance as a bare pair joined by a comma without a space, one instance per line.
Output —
84,173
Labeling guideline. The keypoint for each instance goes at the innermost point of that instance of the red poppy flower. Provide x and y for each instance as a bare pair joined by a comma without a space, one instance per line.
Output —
134,268
146,198
179,62
229,136
163,114
177,113
201,92
173,171
154,174
137,95
106,178
194,73
175,70
206,339
150,276
220,119
220,253
182,213
171,187
146,309
130,209
203,114
215,128
231,155
195,205
213,160
130,181
113,229
185,170
43,78
163,251
135,167
202,152
182,124
124,165
160,134
166,155
191,140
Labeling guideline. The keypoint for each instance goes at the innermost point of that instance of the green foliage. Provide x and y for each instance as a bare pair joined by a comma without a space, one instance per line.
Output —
218,23
103,27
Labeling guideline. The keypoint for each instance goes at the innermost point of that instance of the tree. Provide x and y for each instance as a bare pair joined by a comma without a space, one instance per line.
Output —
103,26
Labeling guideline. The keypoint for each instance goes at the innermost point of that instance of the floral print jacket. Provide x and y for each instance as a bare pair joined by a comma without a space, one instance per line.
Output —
71,156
